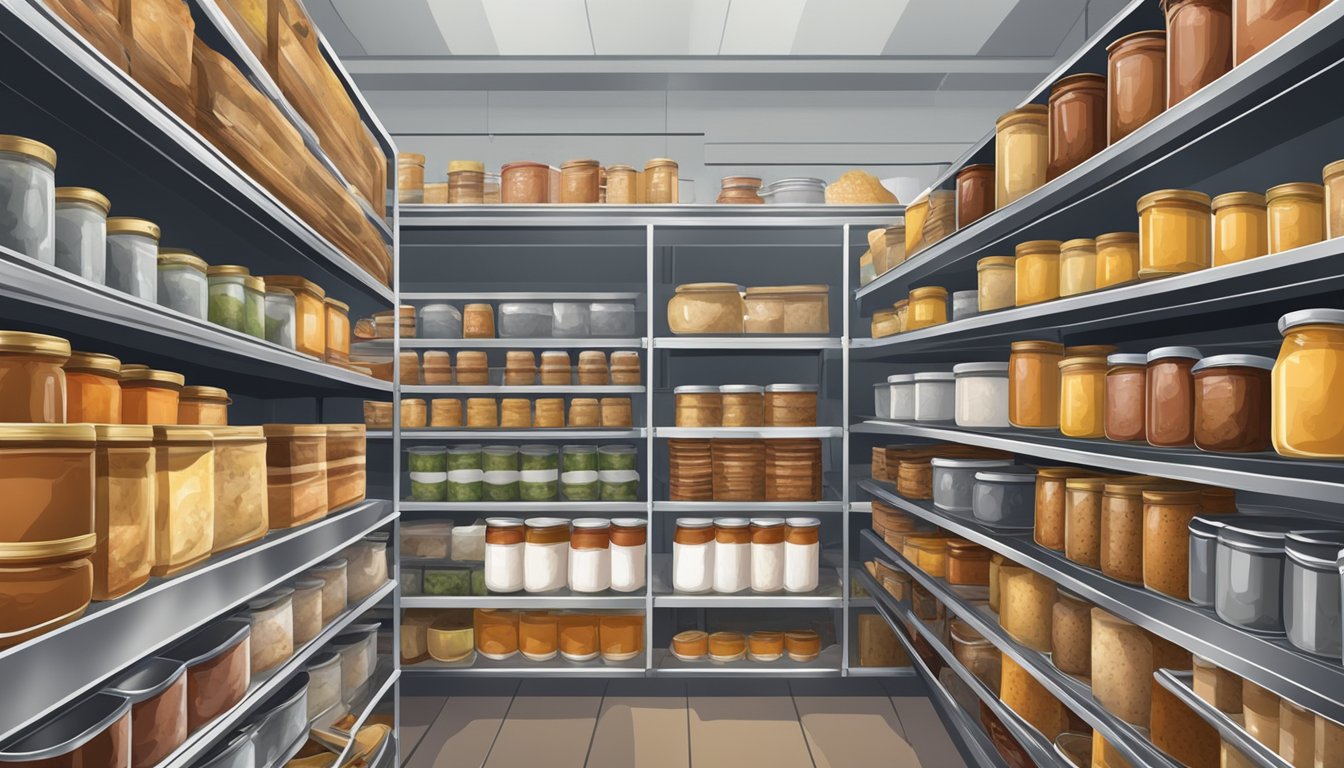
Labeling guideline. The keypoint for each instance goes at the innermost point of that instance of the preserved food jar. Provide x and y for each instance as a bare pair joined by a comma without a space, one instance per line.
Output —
1121,535
1295,215
555,369
975,196
621,636
767,554
914,477
732,555
579,181
1077,110
1220,688
1249,586
1136,78
802,645
889,250
622,181
617,412
93,389
208,406
28,195
437,367
184,518
149,396
726,647
282,317
1308,385
927,308
1311,591
590,555
546,554
496,633
132,257
935,396
1117,259
310,314
123,503
1199,45
466,182
1071,634
802,554
296,469
240,486
996,281
1297,734
254,307
410,177
1169,395
765,646
1175,234
1260,713
1033,384
227,295
1082,396
1126,398
32,382
504,557
693,555
789,309
1122,668
520,368
1026,605
578,636
81,232
584,412
1021,153
1258,23
1050,505
967,563
1077,266
981,395
525,183
183,285
1232,403
1240,227
743,405
706,308
790,405
660,181
1082,519
337,314
1037,272
629,541
1166,544
1025,695
550,413
539,635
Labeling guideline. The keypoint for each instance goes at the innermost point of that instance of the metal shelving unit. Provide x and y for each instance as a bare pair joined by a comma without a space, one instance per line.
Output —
559,600
750,508
828,593
486,508
749,433
748,343
476,435
537,389
544,343
479,666
827,664
1181,685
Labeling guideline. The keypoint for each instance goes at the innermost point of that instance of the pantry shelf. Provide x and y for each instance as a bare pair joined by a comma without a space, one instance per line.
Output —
424,216
468,296
1265,473
563,600
466,389
745,343
827,664
749,433
562,508
1072,692
547,343
1181,685
1271,663
512,434
714,508
517,666
828,594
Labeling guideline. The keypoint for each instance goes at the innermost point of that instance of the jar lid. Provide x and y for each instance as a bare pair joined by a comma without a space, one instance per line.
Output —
616,450
546,522
1188,196
1127,359
182,434
125,225
1262,534
1071,362
767,522
83,195
1319,548
696,389
580,163
1038,346
147,679
197,392
254,283
1028,112
708,287
954,463
1238,361
267,599
967,369
995,261
1238,198
901,378
296,430
1149,37
741,389
934,376
411,157
539,450
123,433
1007,475
629,522
1078,242
1311,317
466,165
789,289
502,522
731,522
1162,353
791,388
803,522
271,290
1295,189
620,168
152,376
1114,238
1037,246
226,270
244,434
1073,82
295,283
181,257
337,304
694,522
92,361
928,292
20,145
659,162
592,523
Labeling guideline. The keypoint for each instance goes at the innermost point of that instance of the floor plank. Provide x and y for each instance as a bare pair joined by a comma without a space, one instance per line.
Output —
462,734
641,728
926,731
548,724
418,713
848,731
730,731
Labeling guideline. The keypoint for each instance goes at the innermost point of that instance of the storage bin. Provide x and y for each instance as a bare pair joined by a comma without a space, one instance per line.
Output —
282,318
613,319
954,481
1250,589
997,282
94,731
93,389
1240,227
1026,603
184,515
1169,396
1126,398
1077,122
132,257
310,314
296,468
157,692
1023,694
1117,259
524,320
182,283
81,232
1311,598
1005,499
1033,384
1308,411
1295,216
902,392
219,669
706,308
1258,24
1136,78
743,405
1175,233
1199,45
241,501
935,396
927,308
1021,153
798,310
1232,403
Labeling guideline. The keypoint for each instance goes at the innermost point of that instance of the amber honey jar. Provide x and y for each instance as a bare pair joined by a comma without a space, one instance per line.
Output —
149,396
1232,403
1240,227
625,370
555,369
1295,215
579,181
791,405
1020,154
1037,271
927,308
207,406
32,382
550,413
524,183
1033,384
975,195
93,389
1175,235
996,281
1308,395
1117,259
1199,45
1136,69
1082,397
1077,266
1077,120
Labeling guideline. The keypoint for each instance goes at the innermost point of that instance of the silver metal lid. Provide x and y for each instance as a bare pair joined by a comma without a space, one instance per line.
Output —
971,463
767,522
68,730
592,522
1262,534
696,389
546,522
1317,549
630,522
741,389
1207,527
1230,361
791,388
1006,475
1164,352
1311,317
901,378
503,522
803,522
935,376
694,522
1127,359
731,522
798,181
966,369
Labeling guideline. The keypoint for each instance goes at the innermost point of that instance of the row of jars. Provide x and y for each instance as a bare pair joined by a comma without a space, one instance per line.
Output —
525,182
746,405
728,308
546,554
728,555
459,636
518,413
520,368
748,190
762,646
744,470
528,473
924,308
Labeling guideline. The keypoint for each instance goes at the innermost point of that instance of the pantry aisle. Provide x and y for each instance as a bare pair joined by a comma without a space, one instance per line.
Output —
670,724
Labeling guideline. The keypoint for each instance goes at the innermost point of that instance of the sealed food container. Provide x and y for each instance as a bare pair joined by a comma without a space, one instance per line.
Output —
389,323
182,282
617,412
45,595
996,282
1025,695
296,468
466,182
802,554
1333,175
1199,45
157,692
1260,713
1077,266
1005,498
514,413
428,469
698,406
440,321
310,315
539,477
524,183
282,318
523,320
1037,272
1117,259
884,323
1297,734
795,191
765,646
967,563
914,476
1217,686
1232,403
95,731
219,669
366,568
1175,233
447,640
237,750
790,405
726,647
555,369
1077,122
1311,596
965,304
1126,398
902,310
358,648
410,177
975,193
1169,396
613,319
570,319
970,647
149,396
693,552
133,257
625,369
802,645
1082,396
732,555
241,503
1071,634
584,412
691,645
48,479
1082,519
206,406
1026,604
307,609
1258,24
1166,547
184,462
935,396
281,721
1240,227
1136,78
473,368
334,592
660,181
579,181
706,308
346,474
902,389
539,635
1051,504
28,194
954,481
1308,409
32,382
981,395
254,307
1033,384
927,308
799,310
124,513
500,464
1120,551
578,636
1295,215
81,232
881,400
227,294
1249,566
623,185
1122,677
271,615
743,405
1021,155
620,636
629,538
1203,533
93,389
593,371
767,554
546,554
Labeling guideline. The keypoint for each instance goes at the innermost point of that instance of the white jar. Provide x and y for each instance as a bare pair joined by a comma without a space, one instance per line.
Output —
546,554
28,198
902,397
629,545
882,400
935,396
767,554
504,554
693,555
590,555
182,283
732,555
81,232
802,554
133,257
982,395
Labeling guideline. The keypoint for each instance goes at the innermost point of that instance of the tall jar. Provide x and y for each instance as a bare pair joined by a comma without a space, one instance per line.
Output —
1126,398
660,181
337,314
81,232
410,177
629,543
732,555
281,317
1082,397
93,389
1077,266
1122,668
1169,393
32,382
927,308
1175,235
228,298
132,257
590,555
1033,384
524,183
466,182
1257,23
693,555
1082,519
767,554
123,509
1307,416
28,195
1240,227
546,554
1136,67
504,545
1020,153
1077,110
1026,603
183,284
1166,535
1050,504
1199,45
1117,259
996,280
1037,276
743,405
1296,215
579,182
1071,634
1121,544
621,185
975,195
802,554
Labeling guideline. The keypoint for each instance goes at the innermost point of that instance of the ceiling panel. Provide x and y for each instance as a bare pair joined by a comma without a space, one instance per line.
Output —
411,31
657,27
540,27
1037,27
947,27
847,27
761,27
465,27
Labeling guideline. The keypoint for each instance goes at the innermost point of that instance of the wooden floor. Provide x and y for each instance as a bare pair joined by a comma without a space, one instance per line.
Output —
549,723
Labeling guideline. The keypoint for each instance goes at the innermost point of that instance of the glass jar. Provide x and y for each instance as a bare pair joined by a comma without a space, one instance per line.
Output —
706,308
1308,385
590,555
1033,384
93,389
1311,591
791,405
996,282
227,296
1082,520
208,406
1169,394
1082,396
1166,544
693,555
732,555
1175,233
802,554
1203,531
1295,215
621,185
81,232
133,257
1121,530
1077,266
1136,67
660,181
1025,695
184,461
621,636
625,369
281,317
1240,227
1124,684
310,319
241,500
975,195
504,555
1026,605
1232,403
579,181
927,308
1049,528
996,563
1199,45
1071,634
466,182
1117,259
1077,116
1037,276
789,309
546,554
539,635
32,381
629,542
149,396
496,633
1021,152
524,183
410,177
1260,714
1218,687
1126,398
337,314
28,192
967,563
767,554
743,405
1258,24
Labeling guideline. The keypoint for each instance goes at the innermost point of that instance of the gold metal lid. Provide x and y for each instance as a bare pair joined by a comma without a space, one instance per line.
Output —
83,195
213,394
346,430
581,163
1116,238
181,257
337,303
93,361
228,270
21,342
33,551
1187,196
996,261
466,165
658,162
236,434
133,367
1037,246
254,283
768,289
1033,113
182,434
410,157
1078,242
295,283
620,168
1095,483
1070,362
1038,346
123,433
928,292
52,433
151,376
304,430
1295,189
1238,198
1332,169
32,148
126,225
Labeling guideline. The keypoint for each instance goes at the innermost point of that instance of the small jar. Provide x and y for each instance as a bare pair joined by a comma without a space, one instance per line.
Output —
629,543
791,405
524,183
584,412
743,405
1021,153
1232,403
310,314
1082,397
927,308
132,257
1295,215
767,554
1033,384
975,195
732,555
625,370
1121,535
466,182
1082,520
1026,604
1240,227
1175,233
504,537
996,282
981,395
410,177
1126,398
32,382
337,315
550,413
660,181
593,370
1037,277
590,555
621,185
883,324
149,396
1199,45
617,413
1169,394
1071,634
621,635
81,232
1077,121
1166,540
473,368
579,181
693,555
555,369
478,321
1136,67
520,368
546,554
93,389
1308,385
28,192
802,554
281,317
902,392
1117,259
482,413
965,304
207,406
1077,266
967,564
698,406
1051,505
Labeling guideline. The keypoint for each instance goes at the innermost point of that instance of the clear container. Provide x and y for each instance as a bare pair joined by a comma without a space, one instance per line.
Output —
28,198
1026,605
524,320
366,568
254,311
281,722
902,389
334,592
800,310
1077,266
466,475
1005,498
280,317
241,506
307,609
570,320
133,257
271,615
359,658
440,321
184,527
227,295
1296,215
1169,396
1037,271
1308,385
310,314
1117,259
81,232
219,669
613,319
981,395
935,396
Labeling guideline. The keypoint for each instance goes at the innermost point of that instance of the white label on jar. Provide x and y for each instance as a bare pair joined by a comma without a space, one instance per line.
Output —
465,475
430,478
693,567
539,475
579,477
767,567
589,569
545,566
501,477
732,567
627,568
982,401
903,402
504,567
618,476
801,567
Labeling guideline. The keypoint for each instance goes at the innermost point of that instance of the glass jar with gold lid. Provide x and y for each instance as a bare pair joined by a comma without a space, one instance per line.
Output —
1296,215
1307,385
1037,271
927,308
1033,384
1021,153
149,396
1077,266
1175,234
93,388
32,381
1240,227
996,278
1082,396
1117,259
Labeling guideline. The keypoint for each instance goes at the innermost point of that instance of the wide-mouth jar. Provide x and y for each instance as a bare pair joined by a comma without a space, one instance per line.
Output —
32,381
1240,227
1175,233
81,232
1308,404
1117,259
1311,599
1250,564
310,319
183,284
1033,384
1037,271
1295,215
706,308
981,395
132,257
996,282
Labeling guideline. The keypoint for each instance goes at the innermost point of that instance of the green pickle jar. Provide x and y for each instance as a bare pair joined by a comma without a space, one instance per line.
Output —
465,475
612,457
539,479
500,463
428,467
619,484
254,311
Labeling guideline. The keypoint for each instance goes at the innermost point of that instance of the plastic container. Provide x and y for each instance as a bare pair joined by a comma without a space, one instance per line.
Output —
524,320
882,400
132,257
346,473
337,315
123,509
965,304
1295,215
281,721
334,593
1308,407
1005,499
28,195
95,731
902,393
219,669
935,396
93,389
954,481
358,647
709,308
296,466
795,191
981,395
271,615
570,320
307,609
613,320
184,515
182,283
440,321
149,396
81,232
798,310
281,318
310,316
241,502
226,293
927,308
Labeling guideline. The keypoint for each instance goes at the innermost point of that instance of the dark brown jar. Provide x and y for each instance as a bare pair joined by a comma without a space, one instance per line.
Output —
1136,71
1170,397
1199,45
1261,22
1077,122
525,182
1232,403
1126,393
975,193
